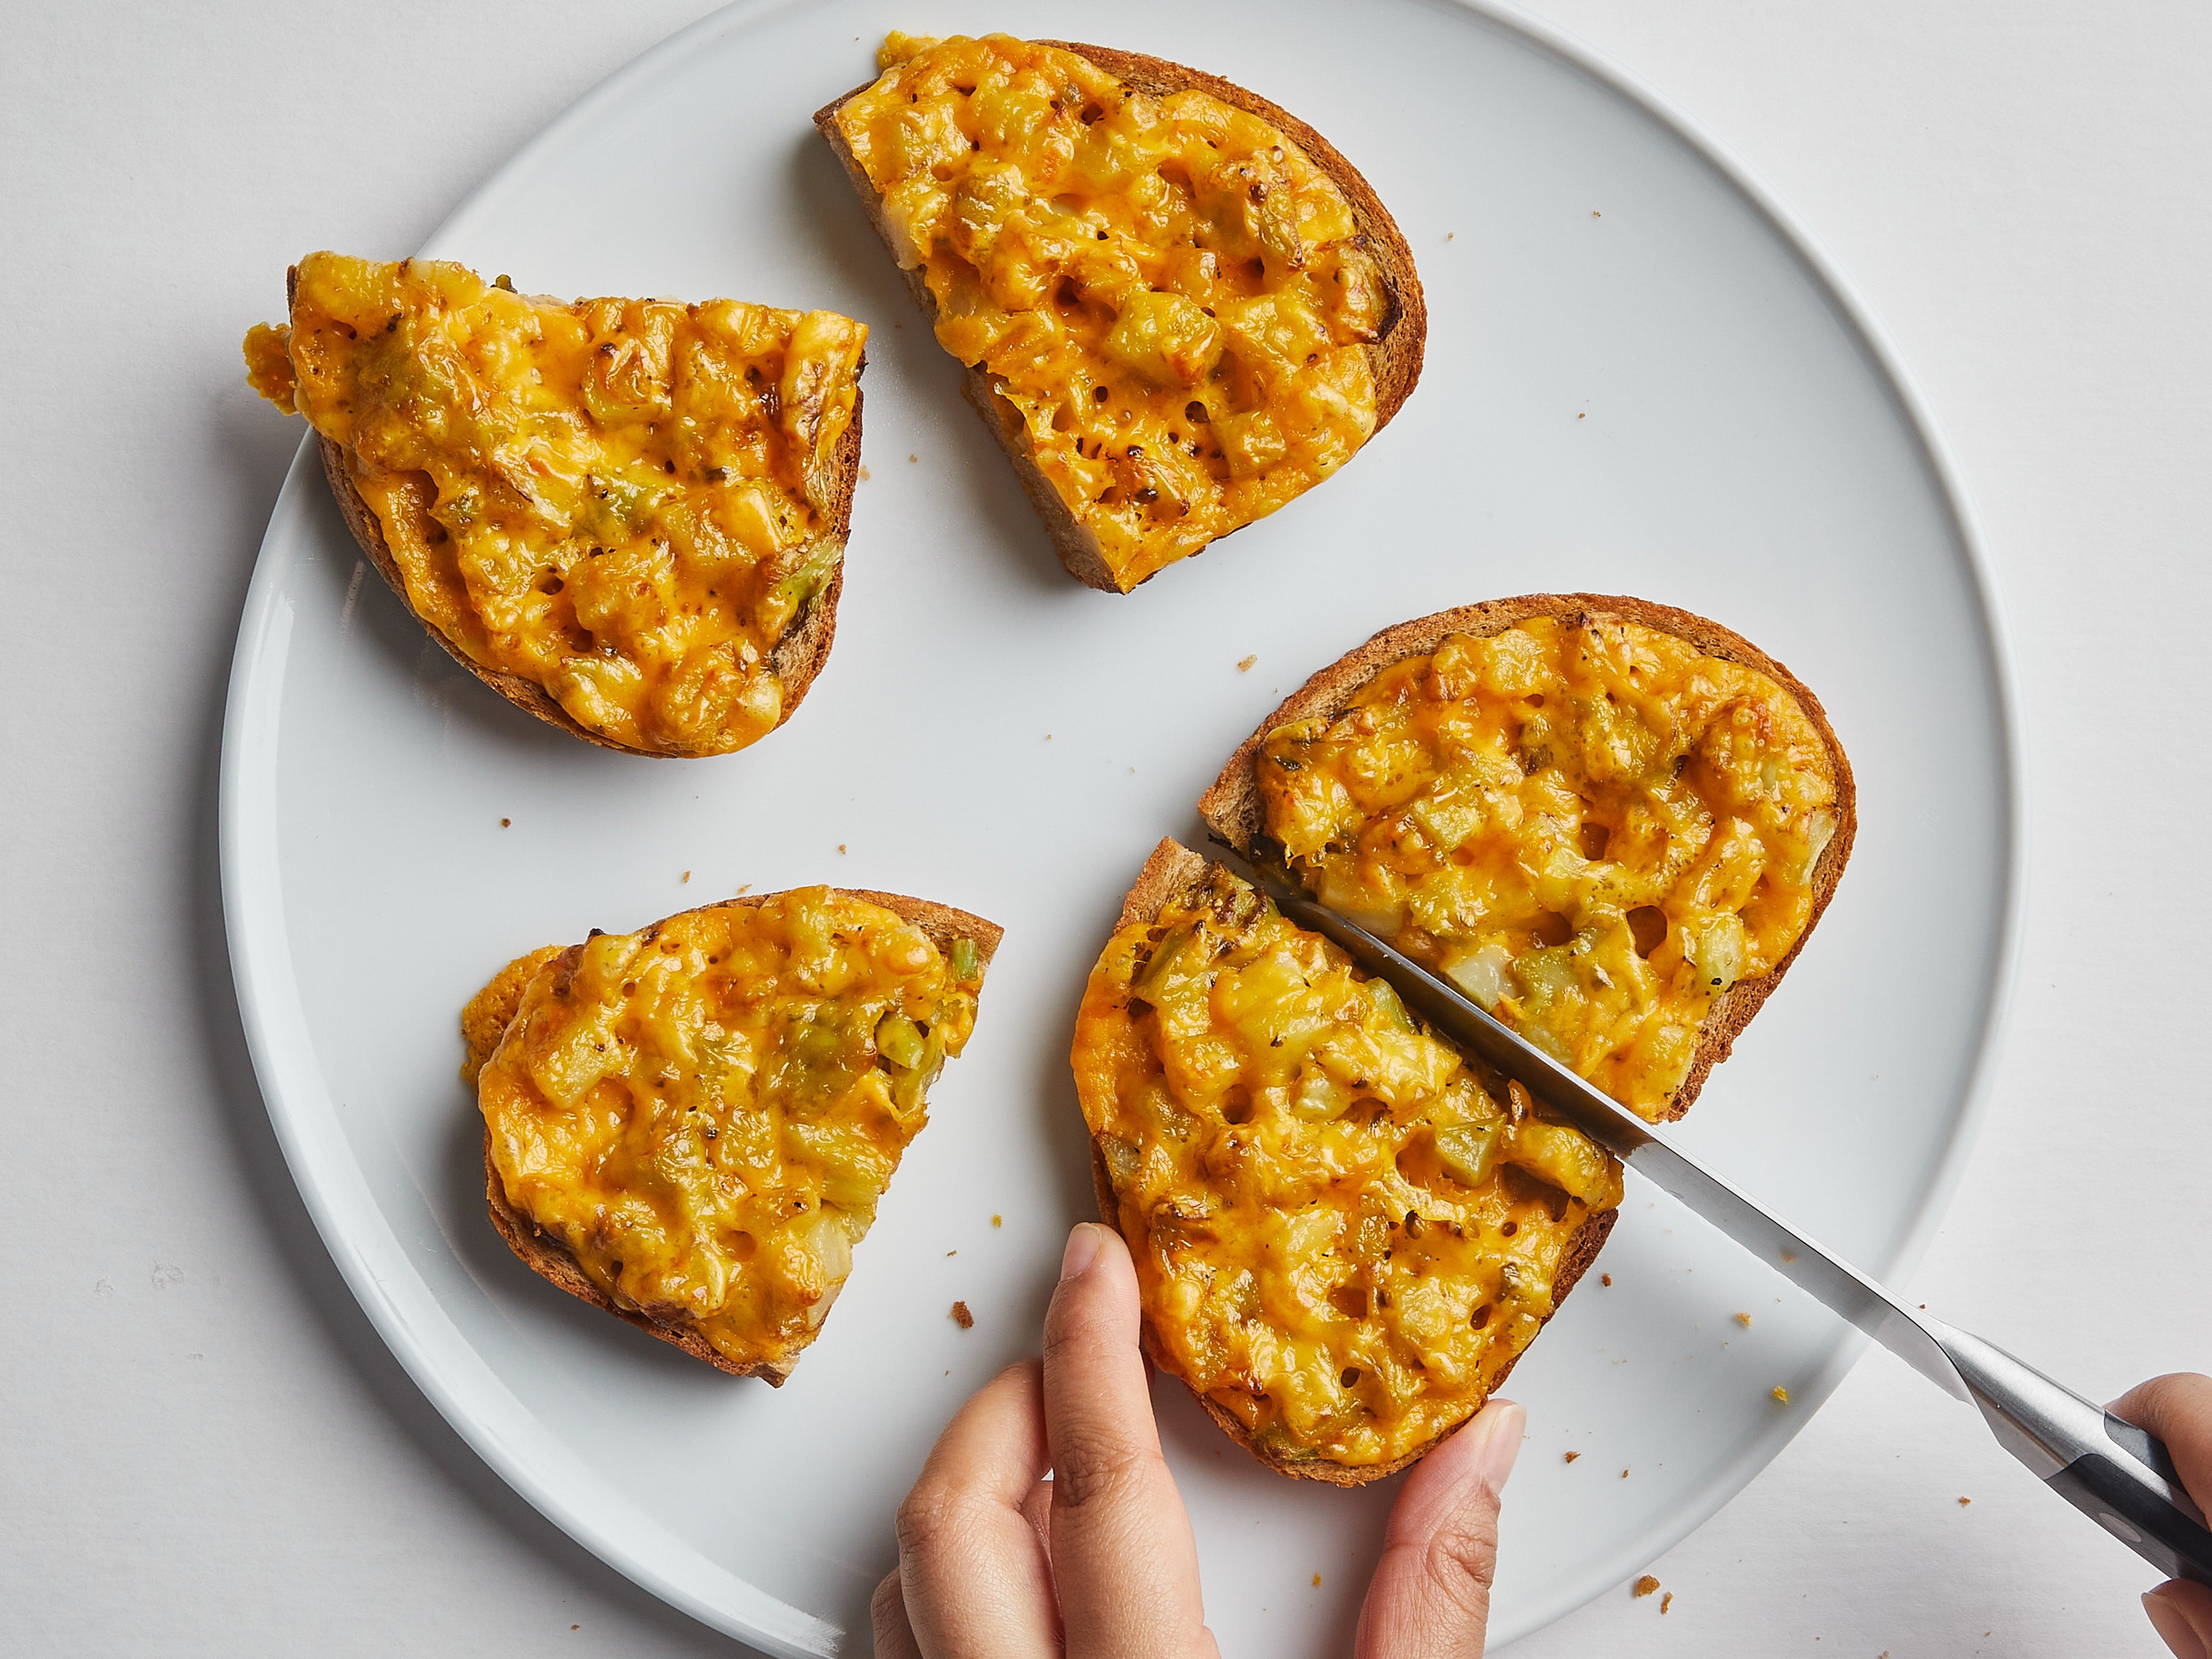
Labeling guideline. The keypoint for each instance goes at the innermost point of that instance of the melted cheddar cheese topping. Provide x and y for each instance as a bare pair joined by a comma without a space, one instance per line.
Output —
705,1114
1341,1236
1170,298
628,502
1590,825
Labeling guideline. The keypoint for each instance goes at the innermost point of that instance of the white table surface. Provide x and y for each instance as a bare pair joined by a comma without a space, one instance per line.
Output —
205,1449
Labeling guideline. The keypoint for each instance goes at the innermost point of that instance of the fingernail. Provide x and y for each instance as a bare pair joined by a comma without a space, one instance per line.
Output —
2172,1625
1498,1433
1082,1250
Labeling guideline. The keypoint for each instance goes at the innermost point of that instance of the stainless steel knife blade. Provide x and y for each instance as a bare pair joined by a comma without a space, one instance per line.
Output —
2113,1471
1474,1030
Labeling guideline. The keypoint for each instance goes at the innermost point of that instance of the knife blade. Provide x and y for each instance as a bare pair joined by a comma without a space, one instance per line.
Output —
2113,1472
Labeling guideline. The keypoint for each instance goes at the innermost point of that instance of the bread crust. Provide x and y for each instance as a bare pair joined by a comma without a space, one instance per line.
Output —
1232,812
1395,358
551,1260
1172,870
796,660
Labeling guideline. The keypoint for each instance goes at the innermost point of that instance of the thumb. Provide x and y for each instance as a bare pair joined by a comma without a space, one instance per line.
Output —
1430,1597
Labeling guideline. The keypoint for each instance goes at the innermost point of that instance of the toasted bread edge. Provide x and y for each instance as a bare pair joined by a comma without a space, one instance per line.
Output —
1395,359
1231,806
551,1260
1172,870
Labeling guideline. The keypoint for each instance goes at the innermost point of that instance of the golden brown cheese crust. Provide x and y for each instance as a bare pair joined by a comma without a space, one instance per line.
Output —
626,517
1344,1242
1810,820
737,1118
1143,321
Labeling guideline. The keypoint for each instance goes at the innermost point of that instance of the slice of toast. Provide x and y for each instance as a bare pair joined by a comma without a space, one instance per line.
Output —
1232,808
797,655
485,1025
1172,873
1395,357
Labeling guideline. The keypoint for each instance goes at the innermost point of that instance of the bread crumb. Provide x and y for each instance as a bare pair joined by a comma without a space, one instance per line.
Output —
1595,214
1780,1395
1582,417
1743,1319
743,890
1572,1455
1245,665
998,1221
1789,1255
1646,1584
841,845
864,475
1605,1279
1666,1601
1624,1474
952,1253
507,823
1316,1581
914,458
1450,234
962,1317
687,876
1963,1502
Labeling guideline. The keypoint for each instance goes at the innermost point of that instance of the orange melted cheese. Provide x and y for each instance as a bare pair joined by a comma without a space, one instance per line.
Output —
1592,826
628,502
1169,296
1342,1237
706,1112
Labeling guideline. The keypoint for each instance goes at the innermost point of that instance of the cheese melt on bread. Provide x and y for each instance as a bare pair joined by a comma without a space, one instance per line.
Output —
1342,1237
1167,294
627,503
705,1114
1592,826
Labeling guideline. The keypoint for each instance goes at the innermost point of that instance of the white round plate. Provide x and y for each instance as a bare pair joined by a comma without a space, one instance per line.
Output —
1639,380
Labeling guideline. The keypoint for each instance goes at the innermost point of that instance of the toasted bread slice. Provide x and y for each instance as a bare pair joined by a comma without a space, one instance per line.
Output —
740,665
1234,809
1175,880
491,1020
1393,354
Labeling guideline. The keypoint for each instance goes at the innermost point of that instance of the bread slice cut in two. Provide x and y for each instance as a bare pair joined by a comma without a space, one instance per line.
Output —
1232,810
549,1259
1174,873
1395,358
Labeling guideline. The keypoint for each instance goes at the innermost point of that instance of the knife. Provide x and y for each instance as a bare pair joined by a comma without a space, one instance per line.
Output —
2115,1474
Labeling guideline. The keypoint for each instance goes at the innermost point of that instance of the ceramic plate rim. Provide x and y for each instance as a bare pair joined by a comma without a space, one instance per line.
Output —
609,1525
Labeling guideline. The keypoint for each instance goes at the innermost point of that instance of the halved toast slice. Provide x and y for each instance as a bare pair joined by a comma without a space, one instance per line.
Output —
628,517
1613,823
679,1128
1345,1235
1179,305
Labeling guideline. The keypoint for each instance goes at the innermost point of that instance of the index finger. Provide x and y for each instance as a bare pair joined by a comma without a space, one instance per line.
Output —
1123,1560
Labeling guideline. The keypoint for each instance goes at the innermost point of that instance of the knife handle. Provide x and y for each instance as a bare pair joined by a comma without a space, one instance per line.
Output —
2129,1488
2119,1475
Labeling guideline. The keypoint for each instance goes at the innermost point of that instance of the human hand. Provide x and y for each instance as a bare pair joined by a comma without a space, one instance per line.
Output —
2177,1409
996,1562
